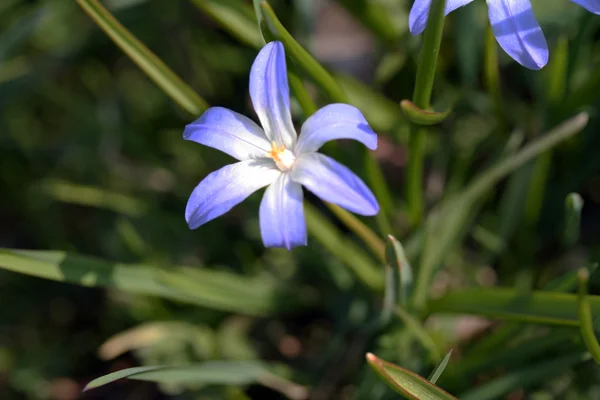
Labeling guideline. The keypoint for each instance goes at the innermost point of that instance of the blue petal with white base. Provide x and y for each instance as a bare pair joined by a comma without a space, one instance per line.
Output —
230,132
221,190
335,121
333,182
270,94
282,215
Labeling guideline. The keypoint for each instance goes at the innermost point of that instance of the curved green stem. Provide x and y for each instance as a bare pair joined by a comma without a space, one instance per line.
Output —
586,324
421,98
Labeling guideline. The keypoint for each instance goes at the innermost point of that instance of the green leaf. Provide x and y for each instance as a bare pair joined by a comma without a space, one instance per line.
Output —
396,258
537,307
422,117
218,290
437,372
303,59
210,372
153,66
406,382
449,222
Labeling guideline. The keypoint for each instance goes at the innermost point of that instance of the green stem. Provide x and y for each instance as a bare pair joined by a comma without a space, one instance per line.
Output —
586,324
492,76
368,237
421,98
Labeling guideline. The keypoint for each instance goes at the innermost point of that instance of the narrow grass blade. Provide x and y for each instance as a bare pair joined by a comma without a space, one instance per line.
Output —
586,324
396,258
544,307
153,66
437,372
210,372
347,251
573,207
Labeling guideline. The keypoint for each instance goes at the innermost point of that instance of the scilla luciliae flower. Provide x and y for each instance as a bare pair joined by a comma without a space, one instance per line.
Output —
513,24
275,156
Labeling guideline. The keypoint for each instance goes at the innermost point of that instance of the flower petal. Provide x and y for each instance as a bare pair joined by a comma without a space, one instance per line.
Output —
271,95
335,121
226,187
518,32
230,132
592,6
282,216
333,182
417,19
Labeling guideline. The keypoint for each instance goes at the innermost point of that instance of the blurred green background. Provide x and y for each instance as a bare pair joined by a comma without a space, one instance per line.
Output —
92,163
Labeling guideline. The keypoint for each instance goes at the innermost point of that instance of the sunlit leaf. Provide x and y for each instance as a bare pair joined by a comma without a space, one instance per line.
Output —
219,290
210,372
406,382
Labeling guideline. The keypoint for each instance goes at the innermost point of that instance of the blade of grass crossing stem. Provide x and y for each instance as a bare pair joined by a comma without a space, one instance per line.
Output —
310,66
157,70
235,17
437,372
406,382
419,333
344,249
448,224
586,324
542,307
373,242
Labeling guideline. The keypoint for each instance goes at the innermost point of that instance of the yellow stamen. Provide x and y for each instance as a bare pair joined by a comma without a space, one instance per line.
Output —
282,156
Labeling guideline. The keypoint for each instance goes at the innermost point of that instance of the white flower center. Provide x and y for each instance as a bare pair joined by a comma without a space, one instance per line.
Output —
282,156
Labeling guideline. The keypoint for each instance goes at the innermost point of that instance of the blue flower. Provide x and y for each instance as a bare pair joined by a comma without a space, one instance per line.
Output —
513,24
275,156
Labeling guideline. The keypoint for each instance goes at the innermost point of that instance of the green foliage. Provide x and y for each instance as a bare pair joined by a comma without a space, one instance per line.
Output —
494,206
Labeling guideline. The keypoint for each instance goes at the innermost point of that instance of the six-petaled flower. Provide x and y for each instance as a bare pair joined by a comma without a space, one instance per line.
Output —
277,157
513,24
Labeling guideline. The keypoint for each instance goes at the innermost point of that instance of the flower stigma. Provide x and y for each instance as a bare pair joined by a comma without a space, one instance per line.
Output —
282,156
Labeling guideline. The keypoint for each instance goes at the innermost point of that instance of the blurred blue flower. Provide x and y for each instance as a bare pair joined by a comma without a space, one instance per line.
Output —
513,24
277,157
